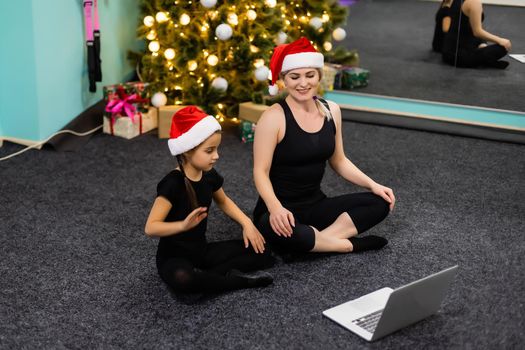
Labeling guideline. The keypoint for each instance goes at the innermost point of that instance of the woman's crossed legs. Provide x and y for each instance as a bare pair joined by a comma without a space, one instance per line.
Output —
332,224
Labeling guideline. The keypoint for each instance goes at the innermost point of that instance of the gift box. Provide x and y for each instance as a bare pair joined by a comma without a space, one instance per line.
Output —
351,77
247,130
165,116
127,127
329,74
251,112
128,112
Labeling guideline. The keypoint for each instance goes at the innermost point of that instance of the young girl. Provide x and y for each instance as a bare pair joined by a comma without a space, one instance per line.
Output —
185,261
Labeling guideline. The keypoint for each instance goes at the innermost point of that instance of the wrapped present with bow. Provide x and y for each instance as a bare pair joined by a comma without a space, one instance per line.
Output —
329,73
128,112
348,78
247,131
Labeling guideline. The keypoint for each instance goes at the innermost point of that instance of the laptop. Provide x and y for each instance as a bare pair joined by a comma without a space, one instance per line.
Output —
387,310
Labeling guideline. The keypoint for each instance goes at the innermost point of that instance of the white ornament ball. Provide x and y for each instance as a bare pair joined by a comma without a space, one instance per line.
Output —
261,73
281,38
159,99
316,22
339,34
223,31
220,84
208,3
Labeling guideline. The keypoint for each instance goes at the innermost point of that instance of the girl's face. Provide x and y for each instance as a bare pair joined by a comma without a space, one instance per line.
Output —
204,156
302,83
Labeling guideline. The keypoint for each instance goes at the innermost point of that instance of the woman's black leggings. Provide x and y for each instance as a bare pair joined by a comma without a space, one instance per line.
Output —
486,56
204,268
365,209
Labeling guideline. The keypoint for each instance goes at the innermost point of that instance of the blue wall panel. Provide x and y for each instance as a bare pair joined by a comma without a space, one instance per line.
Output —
44,82
18,95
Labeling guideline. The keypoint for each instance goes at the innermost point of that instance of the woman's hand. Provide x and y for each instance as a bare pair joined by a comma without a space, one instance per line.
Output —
282,221
384,192
252,236
194,218
506,44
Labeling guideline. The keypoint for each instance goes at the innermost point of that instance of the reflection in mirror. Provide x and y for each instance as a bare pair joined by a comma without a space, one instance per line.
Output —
394,42
442,25
468,44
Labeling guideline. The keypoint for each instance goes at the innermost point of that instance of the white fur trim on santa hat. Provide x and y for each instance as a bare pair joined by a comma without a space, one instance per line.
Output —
273,90
302,60
195,136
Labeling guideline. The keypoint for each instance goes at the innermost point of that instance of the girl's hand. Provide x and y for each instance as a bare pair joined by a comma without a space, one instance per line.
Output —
194,218
252,236
282,221
384,192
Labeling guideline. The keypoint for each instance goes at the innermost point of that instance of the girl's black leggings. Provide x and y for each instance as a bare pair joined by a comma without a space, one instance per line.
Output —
204,267
486,56
365,209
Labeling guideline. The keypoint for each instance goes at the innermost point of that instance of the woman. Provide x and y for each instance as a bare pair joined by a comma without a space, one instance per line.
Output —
467,36
442,25
293,141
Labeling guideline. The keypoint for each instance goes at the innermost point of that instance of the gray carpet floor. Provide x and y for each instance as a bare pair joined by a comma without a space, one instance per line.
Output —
393,38
77,270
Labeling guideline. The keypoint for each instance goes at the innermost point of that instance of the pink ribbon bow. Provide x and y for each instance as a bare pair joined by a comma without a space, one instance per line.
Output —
124,104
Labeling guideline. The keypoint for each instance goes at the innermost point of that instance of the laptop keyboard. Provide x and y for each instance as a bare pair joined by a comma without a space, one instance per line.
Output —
369,322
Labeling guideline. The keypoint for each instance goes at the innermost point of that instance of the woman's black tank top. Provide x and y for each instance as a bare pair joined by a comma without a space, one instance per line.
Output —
298,164
460,35
439,35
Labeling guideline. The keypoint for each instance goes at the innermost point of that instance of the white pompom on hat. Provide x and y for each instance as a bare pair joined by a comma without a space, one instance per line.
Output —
298,54
190,126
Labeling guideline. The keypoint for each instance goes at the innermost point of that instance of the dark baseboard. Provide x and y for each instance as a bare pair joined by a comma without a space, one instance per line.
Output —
85,121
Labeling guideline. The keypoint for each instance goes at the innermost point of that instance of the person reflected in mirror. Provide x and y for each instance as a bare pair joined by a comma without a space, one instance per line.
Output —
294,140
442,25
465,44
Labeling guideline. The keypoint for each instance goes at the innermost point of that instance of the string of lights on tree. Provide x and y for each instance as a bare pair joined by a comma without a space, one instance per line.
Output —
215,54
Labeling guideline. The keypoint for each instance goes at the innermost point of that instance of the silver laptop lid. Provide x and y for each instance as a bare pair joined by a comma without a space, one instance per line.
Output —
414,301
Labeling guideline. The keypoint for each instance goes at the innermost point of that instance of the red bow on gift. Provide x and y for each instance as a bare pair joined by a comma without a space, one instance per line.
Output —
124,104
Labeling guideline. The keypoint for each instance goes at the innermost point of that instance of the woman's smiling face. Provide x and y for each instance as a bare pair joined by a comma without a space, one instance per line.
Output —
302,83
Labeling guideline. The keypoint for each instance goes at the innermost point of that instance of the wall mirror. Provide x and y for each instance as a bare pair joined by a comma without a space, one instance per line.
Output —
394,41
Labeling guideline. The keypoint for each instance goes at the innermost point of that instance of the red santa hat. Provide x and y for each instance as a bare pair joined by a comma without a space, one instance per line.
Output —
190,126
299,54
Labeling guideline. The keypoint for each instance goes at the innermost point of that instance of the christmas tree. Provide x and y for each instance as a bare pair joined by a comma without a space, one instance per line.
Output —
215,54
320,22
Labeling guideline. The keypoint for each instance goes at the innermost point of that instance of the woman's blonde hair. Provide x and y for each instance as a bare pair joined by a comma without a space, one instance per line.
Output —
325,111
